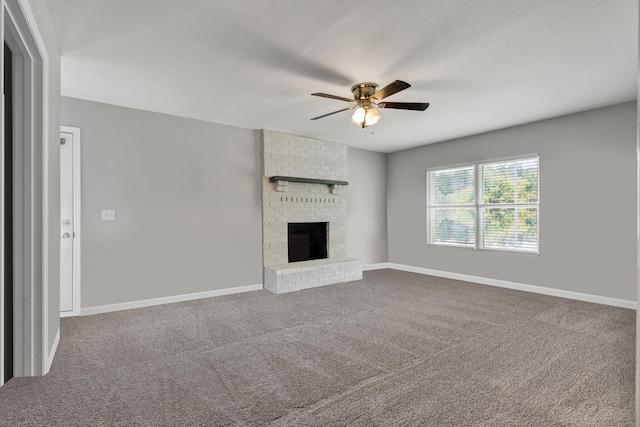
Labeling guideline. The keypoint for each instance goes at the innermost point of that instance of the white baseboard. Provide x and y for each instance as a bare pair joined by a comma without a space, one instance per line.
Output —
377,266
72,313
168,300
52,353
367,267
506,284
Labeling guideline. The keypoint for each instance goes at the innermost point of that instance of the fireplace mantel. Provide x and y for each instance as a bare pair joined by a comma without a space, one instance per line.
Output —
307,180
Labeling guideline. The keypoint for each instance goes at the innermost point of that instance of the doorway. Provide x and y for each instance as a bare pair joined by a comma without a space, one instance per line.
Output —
7,215
33,346
69,221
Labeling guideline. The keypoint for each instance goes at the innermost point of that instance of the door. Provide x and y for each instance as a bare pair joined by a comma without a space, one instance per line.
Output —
69,221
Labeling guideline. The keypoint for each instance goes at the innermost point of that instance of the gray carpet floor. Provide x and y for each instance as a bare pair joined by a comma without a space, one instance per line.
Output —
393,349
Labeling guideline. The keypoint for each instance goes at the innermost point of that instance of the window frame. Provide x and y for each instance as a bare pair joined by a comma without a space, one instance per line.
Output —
480,205
473,206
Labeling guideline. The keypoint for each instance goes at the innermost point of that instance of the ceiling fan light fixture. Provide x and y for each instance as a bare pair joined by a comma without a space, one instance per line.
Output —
371,117
365,116
359,116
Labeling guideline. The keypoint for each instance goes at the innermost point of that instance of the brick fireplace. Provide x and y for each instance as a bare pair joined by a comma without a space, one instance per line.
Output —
304,181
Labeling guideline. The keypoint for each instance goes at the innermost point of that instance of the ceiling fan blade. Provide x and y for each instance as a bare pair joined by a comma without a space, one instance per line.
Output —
390,89
329,114
417,106
339,98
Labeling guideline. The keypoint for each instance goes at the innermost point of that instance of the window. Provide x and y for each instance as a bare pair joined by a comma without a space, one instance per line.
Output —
492,205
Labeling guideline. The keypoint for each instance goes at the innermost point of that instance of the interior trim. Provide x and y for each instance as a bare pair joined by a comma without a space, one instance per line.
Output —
579,296
31,185
168,300
52,354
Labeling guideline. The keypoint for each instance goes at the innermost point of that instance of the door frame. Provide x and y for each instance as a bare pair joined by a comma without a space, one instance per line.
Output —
75,131
31,229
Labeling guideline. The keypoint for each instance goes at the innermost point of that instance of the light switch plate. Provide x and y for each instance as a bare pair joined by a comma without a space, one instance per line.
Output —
108,215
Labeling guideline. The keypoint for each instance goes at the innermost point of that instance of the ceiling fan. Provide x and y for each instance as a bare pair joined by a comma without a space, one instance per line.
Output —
367,98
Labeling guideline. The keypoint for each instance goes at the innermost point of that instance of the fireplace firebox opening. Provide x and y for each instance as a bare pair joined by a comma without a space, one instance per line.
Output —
307,240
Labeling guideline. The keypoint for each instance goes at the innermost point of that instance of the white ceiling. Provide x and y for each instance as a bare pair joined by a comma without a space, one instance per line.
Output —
483,65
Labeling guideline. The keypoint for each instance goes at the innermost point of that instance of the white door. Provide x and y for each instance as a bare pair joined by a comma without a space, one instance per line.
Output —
67,221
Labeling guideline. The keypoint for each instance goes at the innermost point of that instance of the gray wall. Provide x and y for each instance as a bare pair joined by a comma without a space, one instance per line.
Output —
187,198
367,206
187,201
587,203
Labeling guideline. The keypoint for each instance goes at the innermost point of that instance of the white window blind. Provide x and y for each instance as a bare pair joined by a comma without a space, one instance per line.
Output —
493,205
452,207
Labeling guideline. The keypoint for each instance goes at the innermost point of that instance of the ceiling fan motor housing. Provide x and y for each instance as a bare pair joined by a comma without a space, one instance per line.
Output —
364,90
